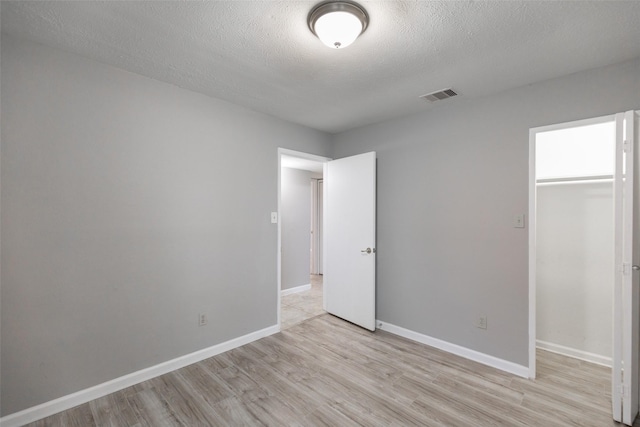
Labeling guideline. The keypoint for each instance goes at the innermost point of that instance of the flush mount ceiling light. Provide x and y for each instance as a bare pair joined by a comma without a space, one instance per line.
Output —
338,23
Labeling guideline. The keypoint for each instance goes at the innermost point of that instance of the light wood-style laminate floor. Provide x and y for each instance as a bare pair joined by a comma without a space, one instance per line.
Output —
298,307
327,372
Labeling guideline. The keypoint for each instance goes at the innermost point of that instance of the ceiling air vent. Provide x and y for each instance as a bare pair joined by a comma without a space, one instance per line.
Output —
439,95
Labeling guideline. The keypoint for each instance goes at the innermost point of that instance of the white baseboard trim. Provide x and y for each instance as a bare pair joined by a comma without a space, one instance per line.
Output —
83,396
476,356
295,290
575,353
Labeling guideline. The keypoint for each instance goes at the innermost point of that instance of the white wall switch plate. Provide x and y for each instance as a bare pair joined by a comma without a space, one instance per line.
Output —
481,322
518,221
202,319
274,217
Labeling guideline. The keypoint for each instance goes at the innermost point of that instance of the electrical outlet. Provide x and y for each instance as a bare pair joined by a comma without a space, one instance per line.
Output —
481,322
202,319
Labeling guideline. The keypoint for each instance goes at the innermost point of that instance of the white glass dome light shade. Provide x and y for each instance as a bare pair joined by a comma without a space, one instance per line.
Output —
338,23
338,29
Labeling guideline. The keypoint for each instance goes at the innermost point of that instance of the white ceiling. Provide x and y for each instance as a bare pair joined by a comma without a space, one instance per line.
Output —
300,163
260,54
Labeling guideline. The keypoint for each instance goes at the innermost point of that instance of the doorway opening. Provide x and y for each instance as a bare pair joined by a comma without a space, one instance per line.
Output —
574,227
582,239
300,284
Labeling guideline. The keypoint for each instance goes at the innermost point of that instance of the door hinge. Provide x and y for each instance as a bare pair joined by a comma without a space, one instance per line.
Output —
626,147
625,391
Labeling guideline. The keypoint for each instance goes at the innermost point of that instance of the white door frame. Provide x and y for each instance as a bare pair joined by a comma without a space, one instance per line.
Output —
625,389
300,155
532,223
316,217
320,224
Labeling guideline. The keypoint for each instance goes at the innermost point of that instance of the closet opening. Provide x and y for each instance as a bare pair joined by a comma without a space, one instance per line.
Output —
574,169
584,302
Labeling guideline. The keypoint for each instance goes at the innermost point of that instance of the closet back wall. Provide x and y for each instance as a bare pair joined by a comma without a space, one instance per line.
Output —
575,266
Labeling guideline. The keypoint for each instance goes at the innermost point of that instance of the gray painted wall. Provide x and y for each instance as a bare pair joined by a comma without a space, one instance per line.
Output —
449,184
295,211
129,206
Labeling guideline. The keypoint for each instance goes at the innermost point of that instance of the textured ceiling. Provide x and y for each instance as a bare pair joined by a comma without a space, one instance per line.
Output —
260,54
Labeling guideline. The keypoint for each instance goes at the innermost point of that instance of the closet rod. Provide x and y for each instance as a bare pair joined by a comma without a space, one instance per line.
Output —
574,179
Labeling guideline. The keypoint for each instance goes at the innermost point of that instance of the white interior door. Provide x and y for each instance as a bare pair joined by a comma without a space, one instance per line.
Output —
625,391
349,239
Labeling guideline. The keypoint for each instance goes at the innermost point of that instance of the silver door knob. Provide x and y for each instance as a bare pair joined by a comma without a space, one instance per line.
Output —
368,251
635,267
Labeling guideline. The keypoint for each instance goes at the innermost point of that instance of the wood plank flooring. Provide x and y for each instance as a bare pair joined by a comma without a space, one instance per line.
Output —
327,372
298,307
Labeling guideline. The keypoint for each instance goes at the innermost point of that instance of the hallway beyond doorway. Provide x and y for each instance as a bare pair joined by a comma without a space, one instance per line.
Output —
298,307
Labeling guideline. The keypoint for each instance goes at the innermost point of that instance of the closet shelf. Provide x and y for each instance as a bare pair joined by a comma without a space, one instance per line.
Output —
571,179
